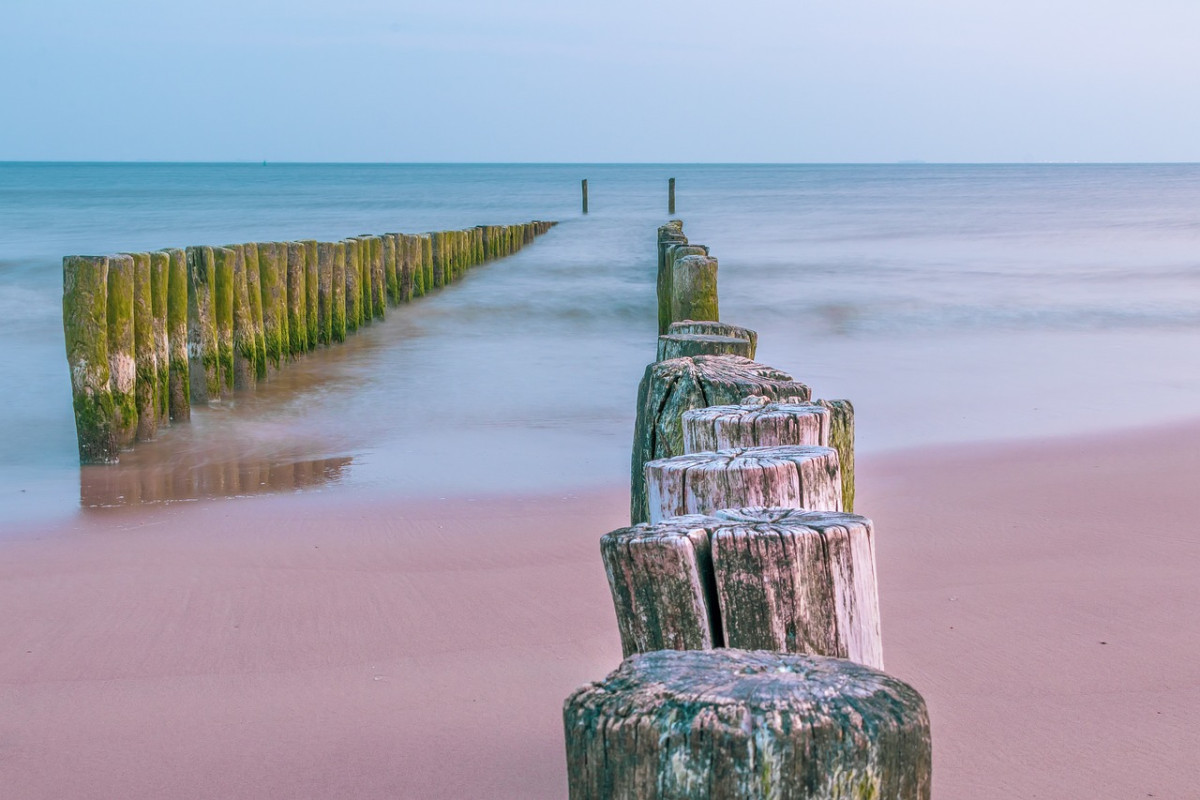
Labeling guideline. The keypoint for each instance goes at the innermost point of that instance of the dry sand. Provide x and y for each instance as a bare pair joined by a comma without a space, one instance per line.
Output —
1044,597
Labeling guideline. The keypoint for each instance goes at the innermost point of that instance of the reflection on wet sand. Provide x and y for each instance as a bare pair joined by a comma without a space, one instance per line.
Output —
107,486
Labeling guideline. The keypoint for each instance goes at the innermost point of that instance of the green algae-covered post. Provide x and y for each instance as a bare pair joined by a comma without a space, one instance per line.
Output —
670,195
85,326
337,293
366,274
202,326
747,724
407,266
122,362
297,299
254,294
427,260
391,274
437,242
694,288
245,348
416,264
353,286
841,438
311,290
159,265
178,384
145,353
272,258
378,277
324,289
668,235
225,261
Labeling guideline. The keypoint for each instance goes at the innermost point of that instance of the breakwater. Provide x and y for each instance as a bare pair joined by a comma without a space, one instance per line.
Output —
150,334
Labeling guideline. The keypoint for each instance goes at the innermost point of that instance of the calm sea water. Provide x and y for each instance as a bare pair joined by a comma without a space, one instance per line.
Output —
951,303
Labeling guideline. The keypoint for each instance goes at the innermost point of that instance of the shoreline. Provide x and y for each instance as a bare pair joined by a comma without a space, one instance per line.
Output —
1041,594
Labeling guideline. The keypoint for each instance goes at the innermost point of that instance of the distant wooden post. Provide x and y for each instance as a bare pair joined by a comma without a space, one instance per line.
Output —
669,388
787,476
778,579
751,725
671,196
584,186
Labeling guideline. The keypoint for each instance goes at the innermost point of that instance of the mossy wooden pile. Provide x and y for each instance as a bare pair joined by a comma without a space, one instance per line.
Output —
150,334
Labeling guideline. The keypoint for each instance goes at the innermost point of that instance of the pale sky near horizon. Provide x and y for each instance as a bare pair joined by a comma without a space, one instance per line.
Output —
544,80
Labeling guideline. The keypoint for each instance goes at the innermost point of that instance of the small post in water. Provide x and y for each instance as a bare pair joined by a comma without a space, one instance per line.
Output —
584,185
671,196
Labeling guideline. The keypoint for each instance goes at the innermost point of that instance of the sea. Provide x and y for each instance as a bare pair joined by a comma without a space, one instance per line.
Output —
951,303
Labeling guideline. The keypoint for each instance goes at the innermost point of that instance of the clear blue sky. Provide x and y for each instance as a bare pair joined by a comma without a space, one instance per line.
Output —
605,80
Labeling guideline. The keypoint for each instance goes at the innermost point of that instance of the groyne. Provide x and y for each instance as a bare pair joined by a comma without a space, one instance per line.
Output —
150,334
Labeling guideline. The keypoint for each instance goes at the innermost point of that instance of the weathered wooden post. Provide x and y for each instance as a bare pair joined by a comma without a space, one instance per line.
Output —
245,347
753,725
353,286
324,289
255,296
668,235
202,326
337,294
755,422
224,267
778,579
584,187
297,299
694,288
374,245
427,261
671,387
159,265
272,260
311,291
788,476
687,345
122,362
85,326
392,268
671,196
179,386
841,438
413,276
714,328
145,351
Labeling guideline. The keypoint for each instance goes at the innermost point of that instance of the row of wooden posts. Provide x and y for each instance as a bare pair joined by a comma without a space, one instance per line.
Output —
745,590
150,334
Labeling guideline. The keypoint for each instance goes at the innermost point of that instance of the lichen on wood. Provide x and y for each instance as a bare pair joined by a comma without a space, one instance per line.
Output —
145,349
85,328
178,379
225,261
122,361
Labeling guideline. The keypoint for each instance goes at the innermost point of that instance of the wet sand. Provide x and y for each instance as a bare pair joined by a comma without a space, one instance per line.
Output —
1042,596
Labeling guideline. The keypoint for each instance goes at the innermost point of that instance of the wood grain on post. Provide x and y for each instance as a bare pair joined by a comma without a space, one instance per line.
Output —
255,297
786,475
324,292
669,388
297,299
145,350
122,363
312,290
245,345
203,365
759,424
841,438
752,725
694,288
179,400
662,583
687,345
714,328
224,267
85,328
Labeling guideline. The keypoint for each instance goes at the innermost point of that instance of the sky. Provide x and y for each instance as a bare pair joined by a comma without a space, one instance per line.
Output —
608,81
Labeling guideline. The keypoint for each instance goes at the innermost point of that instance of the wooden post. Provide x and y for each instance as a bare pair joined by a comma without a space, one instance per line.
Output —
427,260
202,326
272,260
714,328
841,438
144,349
85,327
392,266
669,388
788,476
245,346
122,363
755,424
378,277
312,291
353,287
324,289
668,235
671,196
338,312
179,386
686,345
694,288
778,579
584,187
412,281
160,264
297,299
751,725
255,296
224,267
